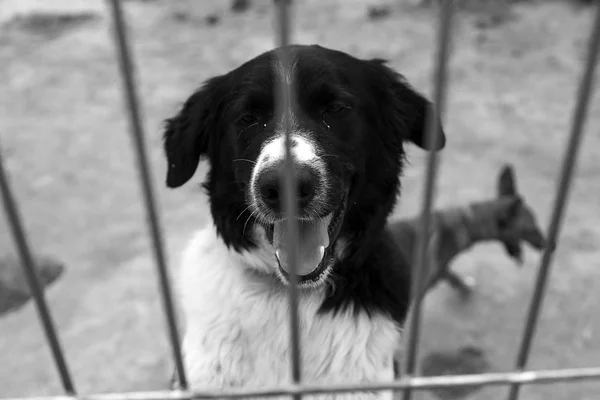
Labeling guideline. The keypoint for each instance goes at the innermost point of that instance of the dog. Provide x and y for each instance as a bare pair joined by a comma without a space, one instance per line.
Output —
507,218
349,122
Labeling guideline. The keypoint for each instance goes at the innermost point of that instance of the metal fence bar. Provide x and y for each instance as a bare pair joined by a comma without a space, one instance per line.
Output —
129,89
284,93
432,131
27,259
564,185
415,383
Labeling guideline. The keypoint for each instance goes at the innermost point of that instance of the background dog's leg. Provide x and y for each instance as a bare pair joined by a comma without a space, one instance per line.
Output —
397,368
174,384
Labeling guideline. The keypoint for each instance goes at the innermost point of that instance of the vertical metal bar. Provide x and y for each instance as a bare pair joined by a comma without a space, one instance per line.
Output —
284,97
283,19
584,94
432,131
18,233
129,89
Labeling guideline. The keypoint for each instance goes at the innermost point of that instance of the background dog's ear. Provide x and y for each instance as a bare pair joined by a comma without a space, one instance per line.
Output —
507,185
514,249
188,135
410,108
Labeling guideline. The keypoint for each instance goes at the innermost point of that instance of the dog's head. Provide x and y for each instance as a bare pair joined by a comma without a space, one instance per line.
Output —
348,119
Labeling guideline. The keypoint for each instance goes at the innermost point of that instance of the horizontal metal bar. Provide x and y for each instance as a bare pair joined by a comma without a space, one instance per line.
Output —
432,137
415,383
27,260
129,89
579,116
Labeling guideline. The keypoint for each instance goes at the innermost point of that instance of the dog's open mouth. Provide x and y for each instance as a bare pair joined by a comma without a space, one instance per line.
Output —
316,239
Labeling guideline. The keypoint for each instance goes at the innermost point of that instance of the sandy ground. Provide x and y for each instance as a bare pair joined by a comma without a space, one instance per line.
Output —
64,137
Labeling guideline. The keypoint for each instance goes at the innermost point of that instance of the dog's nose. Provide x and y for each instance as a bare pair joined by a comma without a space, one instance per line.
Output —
270,186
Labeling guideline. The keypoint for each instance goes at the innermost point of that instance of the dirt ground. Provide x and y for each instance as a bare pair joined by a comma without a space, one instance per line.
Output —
64,137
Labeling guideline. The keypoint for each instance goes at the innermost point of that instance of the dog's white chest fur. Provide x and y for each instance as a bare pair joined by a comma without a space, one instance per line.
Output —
237,327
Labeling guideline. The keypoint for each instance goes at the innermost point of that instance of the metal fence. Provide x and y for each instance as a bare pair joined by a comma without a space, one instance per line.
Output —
410,382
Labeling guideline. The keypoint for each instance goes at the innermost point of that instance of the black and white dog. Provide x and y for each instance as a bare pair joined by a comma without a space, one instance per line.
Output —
349,121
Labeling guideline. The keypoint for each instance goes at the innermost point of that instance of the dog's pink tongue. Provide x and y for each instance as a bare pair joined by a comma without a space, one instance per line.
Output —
313,239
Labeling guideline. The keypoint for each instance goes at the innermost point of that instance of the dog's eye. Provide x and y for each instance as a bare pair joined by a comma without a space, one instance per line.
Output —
336,108
248,119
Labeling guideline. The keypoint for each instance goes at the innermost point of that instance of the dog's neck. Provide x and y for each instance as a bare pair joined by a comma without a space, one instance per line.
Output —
471,224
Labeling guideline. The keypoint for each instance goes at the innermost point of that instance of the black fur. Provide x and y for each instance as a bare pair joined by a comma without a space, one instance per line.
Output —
365,147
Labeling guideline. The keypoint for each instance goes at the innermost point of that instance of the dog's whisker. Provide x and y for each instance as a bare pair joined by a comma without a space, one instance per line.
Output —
243,211
245,159
246,223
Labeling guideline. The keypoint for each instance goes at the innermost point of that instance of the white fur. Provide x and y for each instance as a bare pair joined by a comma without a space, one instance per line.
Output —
237,327
304,152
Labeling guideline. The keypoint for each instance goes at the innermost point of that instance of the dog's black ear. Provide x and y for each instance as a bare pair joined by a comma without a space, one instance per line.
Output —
409,109
514,249
188,135
507,185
